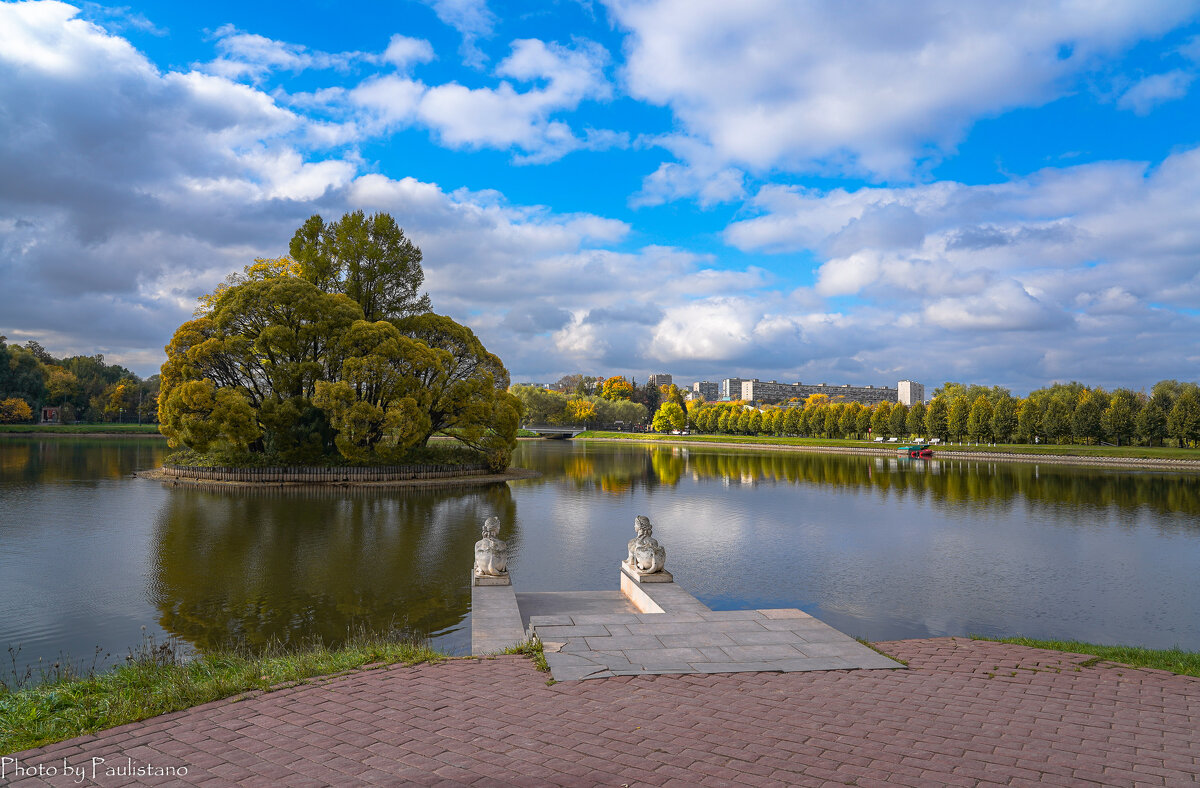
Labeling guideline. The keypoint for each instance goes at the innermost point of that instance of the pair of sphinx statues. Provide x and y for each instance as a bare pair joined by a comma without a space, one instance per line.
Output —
645,555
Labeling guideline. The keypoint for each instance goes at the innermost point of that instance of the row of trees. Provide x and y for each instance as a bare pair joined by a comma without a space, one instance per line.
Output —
544,406
615,388
1058,414
333,351
84,388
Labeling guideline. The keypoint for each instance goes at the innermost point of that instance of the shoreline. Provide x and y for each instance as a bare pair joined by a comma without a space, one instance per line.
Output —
1152,463
52,434
512,474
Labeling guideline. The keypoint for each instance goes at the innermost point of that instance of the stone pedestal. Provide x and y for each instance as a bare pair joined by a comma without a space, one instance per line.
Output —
490,580
661,576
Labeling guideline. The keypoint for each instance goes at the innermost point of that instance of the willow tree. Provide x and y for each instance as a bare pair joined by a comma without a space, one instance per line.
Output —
285,360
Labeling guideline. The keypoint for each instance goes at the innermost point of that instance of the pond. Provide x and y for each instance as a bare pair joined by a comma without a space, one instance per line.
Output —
876,546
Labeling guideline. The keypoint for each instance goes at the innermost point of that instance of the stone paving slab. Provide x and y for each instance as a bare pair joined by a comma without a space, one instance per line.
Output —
707,641
553,603
964,713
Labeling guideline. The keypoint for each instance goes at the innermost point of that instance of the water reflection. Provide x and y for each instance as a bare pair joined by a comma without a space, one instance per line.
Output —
945,483
877,546
275,565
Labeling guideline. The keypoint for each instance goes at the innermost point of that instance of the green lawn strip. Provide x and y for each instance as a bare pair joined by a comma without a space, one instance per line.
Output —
82,429
1116,452
73,706
1175,660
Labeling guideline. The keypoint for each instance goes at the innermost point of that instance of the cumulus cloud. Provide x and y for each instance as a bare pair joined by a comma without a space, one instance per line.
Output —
127,191
250,55
503,117
1067,255
472,19
1156,89
872,88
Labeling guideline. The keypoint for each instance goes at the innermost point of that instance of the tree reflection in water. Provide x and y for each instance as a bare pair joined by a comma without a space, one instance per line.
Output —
255,566
945,483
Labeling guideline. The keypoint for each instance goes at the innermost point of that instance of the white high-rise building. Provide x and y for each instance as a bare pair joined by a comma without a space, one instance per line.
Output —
910,392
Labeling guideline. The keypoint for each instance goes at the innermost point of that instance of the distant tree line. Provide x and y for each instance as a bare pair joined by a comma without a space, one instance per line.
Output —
83,388
1061,413
548,407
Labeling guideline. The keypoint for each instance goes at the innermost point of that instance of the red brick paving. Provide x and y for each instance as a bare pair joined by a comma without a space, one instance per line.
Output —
964,713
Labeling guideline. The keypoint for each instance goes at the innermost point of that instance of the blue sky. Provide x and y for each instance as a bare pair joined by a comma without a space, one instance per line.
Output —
850,193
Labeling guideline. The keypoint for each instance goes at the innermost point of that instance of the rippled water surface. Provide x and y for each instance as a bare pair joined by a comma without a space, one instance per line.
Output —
878,547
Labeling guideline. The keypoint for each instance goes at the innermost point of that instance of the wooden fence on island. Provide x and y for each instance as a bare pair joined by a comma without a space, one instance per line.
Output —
325,475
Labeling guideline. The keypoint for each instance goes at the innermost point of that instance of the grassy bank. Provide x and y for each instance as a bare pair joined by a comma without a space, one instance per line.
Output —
1117,452
80,429
1186,663
155,680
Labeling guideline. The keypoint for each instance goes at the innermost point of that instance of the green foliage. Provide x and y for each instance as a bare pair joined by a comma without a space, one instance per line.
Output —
937,419
915,423
979,420
670,417
1085,421
1183,422
1151,423
199,415
296,361
1004,419
1119,419
957,416
22,375
367,258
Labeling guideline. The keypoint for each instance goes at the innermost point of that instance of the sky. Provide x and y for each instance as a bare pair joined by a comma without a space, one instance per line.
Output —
997,193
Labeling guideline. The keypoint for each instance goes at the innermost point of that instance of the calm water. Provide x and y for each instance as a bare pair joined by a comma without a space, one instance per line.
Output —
881,548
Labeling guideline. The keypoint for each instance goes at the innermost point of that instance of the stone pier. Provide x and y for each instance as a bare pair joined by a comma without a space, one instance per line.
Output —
655,626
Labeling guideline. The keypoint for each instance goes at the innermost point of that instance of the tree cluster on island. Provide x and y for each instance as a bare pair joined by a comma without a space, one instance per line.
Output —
83,388
1061,413
332,354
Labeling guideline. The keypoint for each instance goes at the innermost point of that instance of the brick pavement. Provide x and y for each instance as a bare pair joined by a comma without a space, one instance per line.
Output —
964,713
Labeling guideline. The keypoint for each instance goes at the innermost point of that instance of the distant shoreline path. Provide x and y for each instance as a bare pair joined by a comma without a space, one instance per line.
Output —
1146,463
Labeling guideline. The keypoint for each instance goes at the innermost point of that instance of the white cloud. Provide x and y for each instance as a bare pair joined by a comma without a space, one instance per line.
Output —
105,246
672,181
871,88
1156,89
503,117
251,55
403,51
472,19
1106,252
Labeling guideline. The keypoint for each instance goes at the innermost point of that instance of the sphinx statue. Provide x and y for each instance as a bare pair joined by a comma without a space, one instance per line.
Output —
646,555
491,553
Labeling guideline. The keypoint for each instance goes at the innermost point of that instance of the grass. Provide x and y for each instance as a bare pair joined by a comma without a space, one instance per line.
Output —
156,678
871,646
533,649
1118,452
82,429
1175,660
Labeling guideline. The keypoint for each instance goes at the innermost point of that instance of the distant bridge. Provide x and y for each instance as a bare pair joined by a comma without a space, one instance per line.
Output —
555,430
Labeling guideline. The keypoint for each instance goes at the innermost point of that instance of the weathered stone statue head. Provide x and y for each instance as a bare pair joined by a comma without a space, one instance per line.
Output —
491,553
